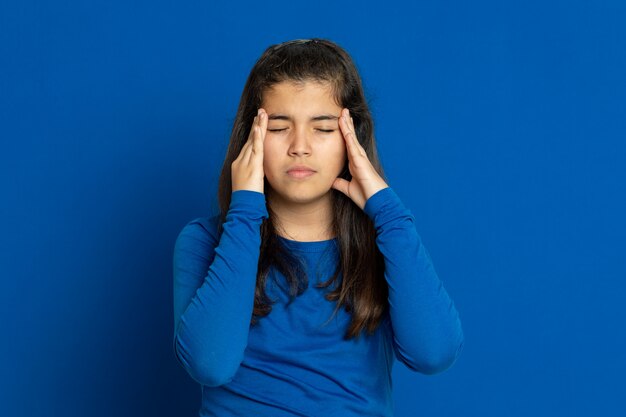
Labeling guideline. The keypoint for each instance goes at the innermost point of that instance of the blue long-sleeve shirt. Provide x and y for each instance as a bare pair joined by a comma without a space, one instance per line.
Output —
290,363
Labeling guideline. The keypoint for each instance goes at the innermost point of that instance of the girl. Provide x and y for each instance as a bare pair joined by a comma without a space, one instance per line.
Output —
308,225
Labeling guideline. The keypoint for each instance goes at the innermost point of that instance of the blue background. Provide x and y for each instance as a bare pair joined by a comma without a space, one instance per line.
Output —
501,125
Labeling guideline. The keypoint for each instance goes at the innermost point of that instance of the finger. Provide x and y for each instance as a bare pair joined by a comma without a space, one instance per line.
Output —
351,140
246,148
262,126
353,130
242,152
250,146
348,128
258,136
345,132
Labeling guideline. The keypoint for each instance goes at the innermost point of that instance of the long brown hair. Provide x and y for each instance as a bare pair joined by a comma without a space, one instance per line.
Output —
363,290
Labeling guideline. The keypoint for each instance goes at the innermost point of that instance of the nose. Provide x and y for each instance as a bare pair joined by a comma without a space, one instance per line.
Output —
300,144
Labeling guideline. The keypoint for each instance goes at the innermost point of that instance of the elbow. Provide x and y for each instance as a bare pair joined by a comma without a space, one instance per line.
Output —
208,370
213,377
437,364
435,361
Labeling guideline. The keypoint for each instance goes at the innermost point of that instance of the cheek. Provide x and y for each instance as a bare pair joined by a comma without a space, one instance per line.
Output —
334,156
271,157
269,150
339,150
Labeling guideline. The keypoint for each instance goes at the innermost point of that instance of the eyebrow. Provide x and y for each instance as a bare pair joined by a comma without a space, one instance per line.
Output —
277,116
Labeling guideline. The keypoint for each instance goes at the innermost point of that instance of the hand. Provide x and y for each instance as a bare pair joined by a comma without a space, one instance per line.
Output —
365,180
247,170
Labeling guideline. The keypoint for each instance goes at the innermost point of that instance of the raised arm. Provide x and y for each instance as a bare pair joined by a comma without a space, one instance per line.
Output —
214,284
427,330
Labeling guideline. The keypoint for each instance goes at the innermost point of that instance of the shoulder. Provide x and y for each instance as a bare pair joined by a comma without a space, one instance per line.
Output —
206,224
199,232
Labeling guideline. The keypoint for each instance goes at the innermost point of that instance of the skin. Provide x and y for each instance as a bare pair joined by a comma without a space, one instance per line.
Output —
303,206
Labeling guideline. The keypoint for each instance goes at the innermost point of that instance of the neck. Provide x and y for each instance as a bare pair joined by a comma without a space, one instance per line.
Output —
305,222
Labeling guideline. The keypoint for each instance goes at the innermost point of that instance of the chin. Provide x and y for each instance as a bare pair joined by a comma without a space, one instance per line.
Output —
301,195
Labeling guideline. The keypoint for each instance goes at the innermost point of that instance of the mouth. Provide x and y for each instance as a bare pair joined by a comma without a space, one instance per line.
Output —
300,173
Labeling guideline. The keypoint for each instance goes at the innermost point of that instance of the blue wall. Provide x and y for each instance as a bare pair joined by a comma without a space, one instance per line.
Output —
500,124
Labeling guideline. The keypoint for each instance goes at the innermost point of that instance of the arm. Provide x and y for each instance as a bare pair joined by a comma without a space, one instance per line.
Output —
214,284
427,331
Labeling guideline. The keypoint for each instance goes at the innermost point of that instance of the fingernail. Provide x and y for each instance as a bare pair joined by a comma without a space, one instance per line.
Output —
258,112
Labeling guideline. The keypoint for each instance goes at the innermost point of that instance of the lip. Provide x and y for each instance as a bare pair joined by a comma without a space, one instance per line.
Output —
300,173
303,168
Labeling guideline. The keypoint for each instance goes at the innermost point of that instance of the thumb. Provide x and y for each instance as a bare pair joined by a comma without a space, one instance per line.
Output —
341,185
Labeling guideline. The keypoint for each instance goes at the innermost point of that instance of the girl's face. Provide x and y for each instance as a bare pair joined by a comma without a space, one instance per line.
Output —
303,129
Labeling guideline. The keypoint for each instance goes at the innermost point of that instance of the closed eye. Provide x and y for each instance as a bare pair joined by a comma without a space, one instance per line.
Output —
321,130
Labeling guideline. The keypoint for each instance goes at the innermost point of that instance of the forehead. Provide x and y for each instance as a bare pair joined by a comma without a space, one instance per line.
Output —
301,96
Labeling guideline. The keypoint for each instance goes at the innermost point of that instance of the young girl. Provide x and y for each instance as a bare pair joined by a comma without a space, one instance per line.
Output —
297,297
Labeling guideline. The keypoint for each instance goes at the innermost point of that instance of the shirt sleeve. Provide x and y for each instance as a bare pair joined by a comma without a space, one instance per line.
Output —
427,333
214,284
